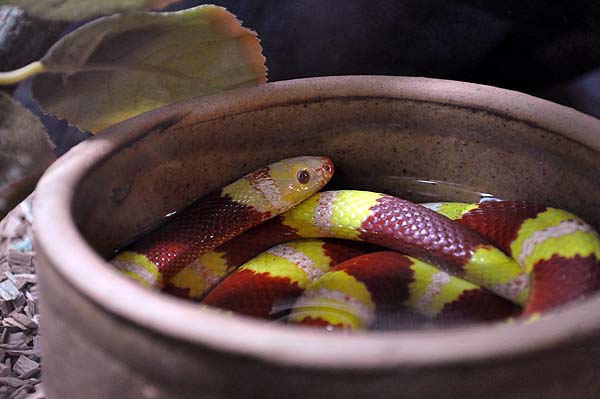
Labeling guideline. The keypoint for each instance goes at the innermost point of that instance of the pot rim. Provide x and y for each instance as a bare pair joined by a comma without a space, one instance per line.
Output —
65,249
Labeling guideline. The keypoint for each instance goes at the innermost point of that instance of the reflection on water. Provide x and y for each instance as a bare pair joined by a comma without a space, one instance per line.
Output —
412,188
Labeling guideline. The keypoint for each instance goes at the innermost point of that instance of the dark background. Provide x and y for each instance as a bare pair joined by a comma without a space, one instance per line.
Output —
524,43
546,48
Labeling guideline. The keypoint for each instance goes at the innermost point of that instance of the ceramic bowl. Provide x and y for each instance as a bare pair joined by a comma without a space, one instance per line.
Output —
104,336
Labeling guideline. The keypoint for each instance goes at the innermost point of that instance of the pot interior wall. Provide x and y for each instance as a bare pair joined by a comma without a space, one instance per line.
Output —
375,143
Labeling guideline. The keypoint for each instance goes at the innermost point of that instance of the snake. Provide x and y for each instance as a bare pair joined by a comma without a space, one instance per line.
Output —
154,258
447,260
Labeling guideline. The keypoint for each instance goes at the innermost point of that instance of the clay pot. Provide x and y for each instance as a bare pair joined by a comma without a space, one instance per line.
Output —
104,336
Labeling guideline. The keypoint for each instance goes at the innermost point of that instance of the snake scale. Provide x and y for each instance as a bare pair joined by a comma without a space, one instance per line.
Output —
270,245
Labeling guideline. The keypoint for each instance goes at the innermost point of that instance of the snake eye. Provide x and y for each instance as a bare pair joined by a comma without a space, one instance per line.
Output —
303,176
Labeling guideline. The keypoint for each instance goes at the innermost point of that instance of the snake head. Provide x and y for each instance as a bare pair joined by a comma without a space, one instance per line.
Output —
284,184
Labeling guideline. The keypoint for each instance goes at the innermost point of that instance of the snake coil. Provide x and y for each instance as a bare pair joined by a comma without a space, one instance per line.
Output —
448,262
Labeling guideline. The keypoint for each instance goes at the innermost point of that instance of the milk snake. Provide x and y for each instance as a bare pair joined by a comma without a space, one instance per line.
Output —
449,262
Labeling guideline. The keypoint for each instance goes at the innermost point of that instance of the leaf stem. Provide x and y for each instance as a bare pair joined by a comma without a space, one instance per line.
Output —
13,77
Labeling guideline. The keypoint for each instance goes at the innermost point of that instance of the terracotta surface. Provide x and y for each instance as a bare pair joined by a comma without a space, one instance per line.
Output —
104,336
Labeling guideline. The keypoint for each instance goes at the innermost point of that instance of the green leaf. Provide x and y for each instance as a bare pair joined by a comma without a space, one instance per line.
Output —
119,66
77,10
25,152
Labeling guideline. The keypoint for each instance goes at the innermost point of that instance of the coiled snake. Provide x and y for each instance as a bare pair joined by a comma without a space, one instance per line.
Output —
448,261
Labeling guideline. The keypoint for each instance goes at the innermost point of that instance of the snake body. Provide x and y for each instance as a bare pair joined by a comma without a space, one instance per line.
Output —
559,251
454,256
342,285
351,294
268,285
412,229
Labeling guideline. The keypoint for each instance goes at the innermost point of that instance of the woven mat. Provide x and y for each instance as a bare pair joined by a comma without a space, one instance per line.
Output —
20,374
